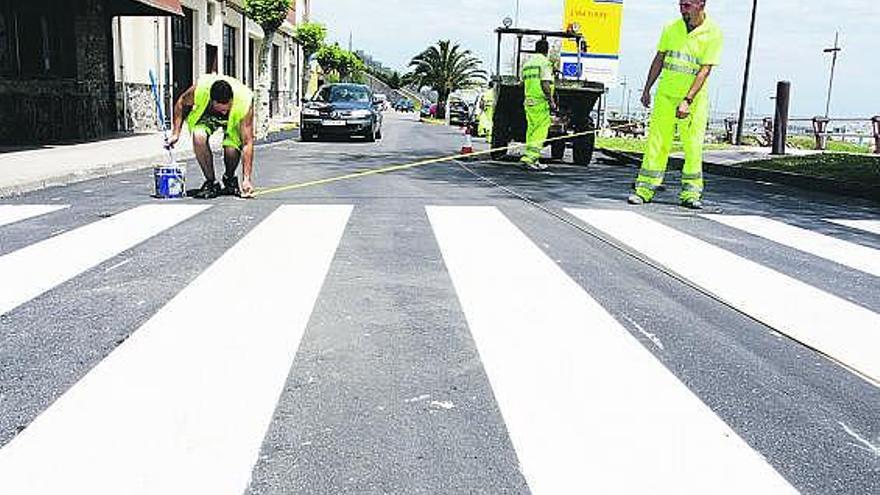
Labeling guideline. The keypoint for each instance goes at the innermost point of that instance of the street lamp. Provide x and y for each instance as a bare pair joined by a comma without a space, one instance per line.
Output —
622,94
834,51
745,89
516,15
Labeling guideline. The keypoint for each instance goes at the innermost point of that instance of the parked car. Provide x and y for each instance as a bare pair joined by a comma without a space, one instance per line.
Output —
459,113
404,105
342,110
429,111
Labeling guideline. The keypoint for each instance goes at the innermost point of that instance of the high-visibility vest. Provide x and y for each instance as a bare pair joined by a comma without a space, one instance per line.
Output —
538,69
686,52
242,97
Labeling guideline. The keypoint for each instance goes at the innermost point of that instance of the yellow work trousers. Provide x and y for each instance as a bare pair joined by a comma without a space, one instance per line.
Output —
661,133
539,120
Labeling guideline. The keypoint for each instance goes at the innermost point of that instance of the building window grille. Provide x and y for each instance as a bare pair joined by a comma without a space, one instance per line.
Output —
36,41
229,50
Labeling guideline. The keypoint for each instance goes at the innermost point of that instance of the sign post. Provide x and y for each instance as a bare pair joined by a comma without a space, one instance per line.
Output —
600,22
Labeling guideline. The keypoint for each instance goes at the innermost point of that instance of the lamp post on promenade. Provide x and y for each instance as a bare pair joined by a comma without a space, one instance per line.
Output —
835,50
745,88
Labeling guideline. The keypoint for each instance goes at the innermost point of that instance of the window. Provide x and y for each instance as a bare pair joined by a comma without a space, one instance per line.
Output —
35,41
229,50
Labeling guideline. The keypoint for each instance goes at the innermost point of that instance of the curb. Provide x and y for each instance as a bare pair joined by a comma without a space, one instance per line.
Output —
816,184
107,170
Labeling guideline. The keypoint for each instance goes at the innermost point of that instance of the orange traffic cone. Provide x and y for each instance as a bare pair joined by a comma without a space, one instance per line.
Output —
468,146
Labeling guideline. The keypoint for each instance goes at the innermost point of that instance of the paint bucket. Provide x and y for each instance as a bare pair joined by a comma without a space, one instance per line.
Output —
169,180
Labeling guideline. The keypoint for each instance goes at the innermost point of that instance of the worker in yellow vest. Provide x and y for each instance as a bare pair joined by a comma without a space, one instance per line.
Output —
537,75
689,48
219,102
487,112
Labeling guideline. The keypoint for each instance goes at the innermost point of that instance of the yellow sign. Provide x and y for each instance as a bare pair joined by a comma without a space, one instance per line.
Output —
599,22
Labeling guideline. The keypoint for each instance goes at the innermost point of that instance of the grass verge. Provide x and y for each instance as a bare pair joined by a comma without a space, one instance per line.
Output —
864,169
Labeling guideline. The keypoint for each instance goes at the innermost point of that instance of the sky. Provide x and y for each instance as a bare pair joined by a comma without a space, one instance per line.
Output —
789,39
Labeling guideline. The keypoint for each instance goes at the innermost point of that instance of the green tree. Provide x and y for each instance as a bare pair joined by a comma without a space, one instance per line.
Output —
310,36
345,65
269,14
445,67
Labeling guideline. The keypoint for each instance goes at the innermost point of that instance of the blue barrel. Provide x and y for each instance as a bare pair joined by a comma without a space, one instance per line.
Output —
170,181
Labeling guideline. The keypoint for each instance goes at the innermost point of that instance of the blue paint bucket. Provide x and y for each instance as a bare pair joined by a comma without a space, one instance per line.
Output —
170,181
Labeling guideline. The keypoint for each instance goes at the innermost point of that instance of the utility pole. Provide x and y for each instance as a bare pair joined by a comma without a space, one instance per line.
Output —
745,88
833,51
622,94
516,15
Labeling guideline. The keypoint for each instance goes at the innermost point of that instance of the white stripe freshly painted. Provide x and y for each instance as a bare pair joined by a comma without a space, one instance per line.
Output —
15,213
587,407
872,226
843,330
182,406
846,253
35,269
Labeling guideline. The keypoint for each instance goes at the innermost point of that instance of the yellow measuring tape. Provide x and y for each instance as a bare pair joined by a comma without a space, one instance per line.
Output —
394,168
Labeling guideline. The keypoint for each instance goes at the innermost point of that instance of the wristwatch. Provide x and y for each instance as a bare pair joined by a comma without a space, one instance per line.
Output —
689,100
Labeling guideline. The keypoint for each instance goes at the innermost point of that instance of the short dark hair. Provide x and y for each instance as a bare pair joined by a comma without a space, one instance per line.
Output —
221,92
542,46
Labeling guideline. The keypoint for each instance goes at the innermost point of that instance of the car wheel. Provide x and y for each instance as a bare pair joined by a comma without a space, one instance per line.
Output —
557,150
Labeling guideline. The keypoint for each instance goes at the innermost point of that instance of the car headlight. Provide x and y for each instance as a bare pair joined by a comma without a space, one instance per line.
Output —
359,114
310,112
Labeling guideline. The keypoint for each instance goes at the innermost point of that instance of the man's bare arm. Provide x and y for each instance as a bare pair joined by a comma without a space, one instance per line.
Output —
548,93
246,130
653,74
182,108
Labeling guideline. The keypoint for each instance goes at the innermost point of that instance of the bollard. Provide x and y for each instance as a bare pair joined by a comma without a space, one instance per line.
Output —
876,121
820,125
780,122
729,129
767,125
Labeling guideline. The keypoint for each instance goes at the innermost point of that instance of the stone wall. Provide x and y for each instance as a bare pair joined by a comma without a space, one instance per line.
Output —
141,107
64,109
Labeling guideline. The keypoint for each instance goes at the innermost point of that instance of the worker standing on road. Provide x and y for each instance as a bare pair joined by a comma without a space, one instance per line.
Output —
688,49
487,112
537,76
216,102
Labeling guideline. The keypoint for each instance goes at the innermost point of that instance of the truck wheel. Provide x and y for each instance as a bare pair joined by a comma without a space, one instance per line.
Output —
583,146
557,150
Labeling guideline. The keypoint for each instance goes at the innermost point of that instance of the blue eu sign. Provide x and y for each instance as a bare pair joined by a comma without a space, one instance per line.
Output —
571,69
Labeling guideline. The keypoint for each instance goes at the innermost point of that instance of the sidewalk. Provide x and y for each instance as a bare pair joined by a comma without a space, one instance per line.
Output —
55,165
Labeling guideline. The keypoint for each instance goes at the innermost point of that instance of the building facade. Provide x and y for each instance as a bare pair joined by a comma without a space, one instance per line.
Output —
56,75
212,36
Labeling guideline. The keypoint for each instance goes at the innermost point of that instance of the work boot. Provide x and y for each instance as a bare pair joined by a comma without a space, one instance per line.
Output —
230,186
693,204
209,190
635,199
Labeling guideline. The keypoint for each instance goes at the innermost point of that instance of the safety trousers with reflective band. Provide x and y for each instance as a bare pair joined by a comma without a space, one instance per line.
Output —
539,120
661,134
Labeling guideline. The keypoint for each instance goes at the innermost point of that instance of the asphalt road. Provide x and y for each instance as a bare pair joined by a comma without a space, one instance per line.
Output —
427,331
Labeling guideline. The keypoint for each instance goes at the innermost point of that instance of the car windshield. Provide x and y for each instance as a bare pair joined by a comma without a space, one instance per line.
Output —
337,94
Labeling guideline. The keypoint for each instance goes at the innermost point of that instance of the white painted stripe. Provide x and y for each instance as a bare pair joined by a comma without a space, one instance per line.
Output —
182,406
33,270
872,226
845,331
587,407
16,213
846,253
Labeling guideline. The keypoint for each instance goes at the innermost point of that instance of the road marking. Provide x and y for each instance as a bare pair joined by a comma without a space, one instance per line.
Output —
37,268
872,226
585,404
183,405
15,213
840,329
845,253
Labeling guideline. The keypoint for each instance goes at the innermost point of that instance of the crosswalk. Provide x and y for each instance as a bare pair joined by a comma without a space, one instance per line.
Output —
183,405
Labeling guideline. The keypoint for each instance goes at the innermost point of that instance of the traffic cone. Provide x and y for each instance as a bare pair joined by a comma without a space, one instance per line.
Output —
468,146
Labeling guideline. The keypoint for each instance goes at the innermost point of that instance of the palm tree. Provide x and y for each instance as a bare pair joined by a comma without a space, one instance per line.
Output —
445,67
